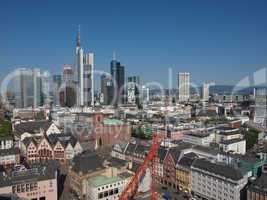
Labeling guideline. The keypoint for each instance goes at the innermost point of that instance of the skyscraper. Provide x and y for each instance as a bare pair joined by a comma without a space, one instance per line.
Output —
27,87
205,91
88,79
260,116
118,76
80,71
133,89
106,89
184,86
57,80
68,92
84,78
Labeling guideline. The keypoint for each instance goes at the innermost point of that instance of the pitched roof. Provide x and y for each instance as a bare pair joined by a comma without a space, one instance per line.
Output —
218,169
32,127
87,162
162,152
260,185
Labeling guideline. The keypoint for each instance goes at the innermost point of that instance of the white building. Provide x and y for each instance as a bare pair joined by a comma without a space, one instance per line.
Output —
205,91
108,188
184,86
234,146
198,138
215,181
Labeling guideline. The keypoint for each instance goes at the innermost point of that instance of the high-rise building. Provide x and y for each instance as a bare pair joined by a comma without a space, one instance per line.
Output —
133,89
27,86
145,94
88,79
84,78
118,76
205,91
80,71
184,86
106,97
68,92
260,116
57,80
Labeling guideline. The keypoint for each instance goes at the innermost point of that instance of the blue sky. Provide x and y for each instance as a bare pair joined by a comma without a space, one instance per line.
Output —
221,40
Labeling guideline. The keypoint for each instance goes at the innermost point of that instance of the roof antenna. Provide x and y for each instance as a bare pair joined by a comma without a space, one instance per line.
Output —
114,55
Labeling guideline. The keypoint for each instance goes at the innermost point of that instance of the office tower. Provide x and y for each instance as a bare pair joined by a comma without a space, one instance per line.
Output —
88,79
133,89
68,92
57,80
67,74
205,91
80,71
84,77
184,86
27,87
46,87
106,97
145,94
260,116
118,76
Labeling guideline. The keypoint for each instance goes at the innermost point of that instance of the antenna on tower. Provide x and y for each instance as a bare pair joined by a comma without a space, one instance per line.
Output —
114,55
78,42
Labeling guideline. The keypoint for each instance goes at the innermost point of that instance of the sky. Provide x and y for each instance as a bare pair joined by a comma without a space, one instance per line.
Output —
220,40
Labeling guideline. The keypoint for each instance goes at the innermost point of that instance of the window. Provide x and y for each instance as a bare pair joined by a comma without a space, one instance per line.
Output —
116,191
106,194
100,195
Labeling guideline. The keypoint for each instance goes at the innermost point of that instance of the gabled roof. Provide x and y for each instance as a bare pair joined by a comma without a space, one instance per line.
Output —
32,127
162,152
186,162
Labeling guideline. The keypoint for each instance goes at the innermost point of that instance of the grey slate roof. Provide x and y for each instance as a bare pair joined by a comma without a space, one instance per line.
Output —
218,169
37,172
87,162
260,185
32,127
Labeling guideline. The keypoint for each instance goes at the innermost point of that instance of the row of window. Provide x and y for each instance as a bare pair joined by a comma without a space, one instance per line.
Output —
108,193
28,187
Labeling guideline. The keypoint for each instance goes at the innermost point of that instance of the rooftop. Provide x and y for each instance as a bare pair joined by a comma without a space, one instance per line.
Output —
112,122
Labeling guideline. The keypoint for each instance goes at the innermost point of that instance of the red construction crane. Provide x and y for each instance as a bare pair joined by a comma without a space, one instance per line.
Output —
149,162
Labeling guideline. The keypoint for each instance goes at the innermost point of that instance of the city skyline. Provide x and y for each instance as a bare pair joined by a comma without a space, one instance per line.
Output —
206,44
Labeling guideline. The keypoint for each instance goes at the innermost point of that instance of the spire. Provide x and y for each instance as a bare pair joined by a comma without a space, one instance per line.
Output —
114,55
78,39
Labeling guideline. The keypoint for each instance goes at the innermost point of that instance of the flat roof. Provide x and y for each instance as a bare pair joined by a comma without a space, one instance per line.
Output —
98,181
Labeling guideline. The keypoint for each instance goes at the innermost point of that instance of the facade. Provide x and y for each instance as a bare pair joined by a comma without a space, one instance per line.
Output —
108,188
118,77
215,181
9,156
205,91
57,81
37,182
234,146
183,174
27,87
133,89
260,116
53,147
203,139
106,97
89,79
184,86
